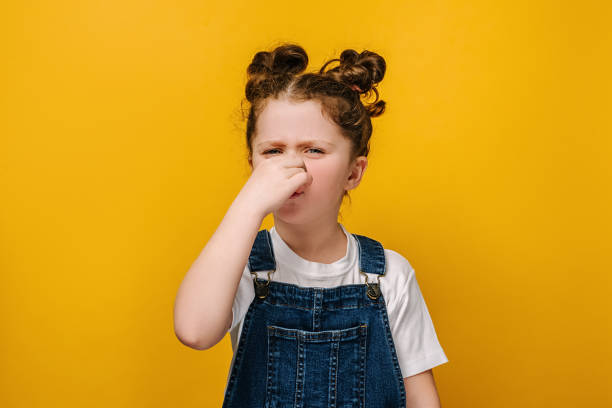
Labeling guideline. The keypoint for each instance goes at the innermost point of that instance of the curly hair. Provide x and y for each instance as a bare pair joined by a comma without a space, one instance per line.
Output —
276,73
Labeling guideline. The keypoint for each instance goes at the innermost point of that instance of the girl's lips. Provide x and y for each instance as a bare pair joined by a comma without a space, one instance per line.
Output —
294,195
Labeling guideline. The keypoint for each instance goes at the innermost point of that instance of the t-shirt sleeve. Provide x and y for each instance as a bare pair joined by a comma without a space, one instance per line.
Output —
414,335
243,298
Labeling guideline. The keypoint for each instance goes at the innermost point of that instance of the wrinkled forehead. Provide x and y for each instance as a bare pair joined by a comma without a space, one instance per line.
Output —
294,122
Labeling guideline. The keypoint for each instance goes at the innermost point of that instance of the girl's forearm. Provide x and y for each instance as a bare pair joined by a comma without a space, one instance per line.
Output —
421,391
203,304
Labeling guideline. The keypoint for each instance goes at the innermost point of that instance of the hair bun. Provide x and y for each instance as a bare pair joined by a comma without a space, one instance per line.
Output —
284,61
361,72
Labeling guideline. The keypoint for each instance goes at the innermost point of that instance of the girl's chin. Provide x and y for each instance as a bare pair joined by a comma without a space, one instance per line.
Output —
290,212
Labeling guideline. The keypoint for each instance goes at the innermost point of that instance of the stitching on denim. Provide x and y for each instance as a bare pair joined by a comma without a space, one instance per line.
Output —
359,252
390,343
270,250
353,306
363,370
347,334
299,373
269,370
239,353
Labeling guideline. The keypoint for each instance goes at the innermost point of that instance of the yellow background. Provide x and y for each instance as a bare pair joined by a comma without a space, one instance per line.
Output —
122,147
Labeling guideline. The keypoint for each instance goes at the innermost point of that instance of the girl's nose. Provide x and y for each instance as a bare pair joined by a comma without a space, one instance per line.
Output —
296,155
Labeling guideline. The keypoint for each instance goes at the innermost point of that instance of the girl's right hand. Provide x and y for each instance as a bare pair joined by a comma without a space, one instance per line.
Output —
273,181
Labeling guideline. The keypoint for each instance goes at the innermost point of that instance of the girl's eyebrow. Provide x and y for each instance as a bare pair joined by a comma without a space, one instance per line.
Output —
304,143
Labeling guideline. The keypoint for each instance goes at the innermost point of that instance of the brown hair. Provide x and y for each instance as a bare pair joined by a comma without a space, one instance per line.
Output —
339,89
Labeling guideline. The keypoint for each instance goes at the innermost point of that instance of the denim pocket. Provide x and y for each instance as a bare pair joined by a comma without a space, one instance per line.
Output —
316,368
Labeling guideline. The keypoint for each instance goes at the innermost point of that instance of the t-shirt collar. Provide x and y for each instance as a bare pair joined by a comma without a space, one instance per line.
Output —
286,258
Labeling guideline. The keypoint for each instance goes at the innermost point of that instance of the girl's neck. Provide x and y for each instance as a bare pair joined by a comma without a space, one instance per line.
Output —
321,242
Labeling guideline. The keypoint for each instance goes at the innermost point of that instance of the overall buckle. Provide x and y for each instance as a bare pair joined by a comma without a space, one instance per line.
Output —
261,289
373,290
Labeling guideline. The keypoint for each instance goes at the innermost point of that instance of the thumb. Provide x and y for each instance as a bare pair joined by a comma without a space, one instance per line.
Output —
309,180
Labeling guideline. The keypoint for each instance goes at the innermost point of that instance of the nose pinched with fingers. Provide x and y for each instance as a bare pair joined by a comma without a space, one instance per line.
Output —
303,187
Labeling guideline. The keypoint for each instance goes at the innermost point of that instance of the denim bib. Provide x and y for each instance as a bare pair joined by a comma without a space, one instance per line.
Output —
310,347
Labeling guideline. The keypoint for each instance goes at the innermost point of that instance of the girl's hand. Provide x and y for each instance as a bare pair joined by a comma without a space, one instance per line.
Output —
273,181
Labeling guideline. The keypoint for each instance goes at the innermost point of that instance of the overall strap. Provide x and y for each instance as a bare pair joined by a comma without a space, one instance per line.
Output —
262,258
371,255
262,254
371,260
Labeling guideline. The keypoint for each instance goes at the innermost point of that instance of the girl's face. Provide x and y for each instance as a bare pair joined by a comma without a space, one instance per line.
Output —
299,129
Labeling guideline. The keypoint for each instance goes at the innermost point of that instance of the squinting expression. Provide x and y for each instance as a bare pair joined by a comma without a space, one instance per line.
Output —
299,129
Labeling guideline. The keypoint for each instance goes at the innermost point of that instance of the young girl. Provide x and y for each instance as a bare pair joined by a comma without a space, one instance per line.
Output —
317,316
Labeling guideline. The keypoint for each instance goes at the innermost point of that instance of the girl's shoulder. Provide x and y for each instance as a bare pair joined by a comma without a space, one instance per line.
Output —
398,268
399,272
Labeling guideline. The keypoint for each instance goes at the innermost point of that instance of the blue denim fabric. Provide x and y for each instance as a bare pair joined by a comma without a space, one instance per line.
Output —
316,347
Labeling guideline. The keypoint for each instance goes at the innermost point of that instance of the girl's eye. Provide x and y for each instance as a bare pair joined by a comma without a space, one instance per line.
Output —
318,150
276,150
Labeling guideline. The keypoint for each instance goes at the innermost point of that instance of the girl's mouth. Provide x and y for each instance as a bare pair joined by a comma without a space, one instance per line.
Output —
294,195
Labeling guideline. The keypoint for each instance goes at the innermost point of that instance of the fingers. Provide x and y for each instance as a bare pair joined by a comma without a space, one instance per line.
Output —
291,162
292,171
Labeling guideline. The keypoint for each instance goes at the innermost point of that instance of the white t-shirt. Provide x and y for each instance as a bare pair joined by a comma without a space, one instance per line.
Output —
411,326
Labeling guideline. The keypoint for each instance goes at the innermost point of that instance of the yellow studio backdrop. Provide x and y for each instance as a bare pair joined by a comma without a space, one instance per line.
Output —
121,148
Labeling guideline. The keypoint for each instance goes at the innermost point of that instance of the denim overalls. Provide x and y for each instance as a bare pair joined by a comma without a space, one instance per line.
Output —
315,347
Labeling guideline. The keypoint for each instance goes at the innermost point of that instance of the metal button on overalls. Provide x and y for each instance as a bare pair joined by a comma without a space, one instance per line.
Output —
310,347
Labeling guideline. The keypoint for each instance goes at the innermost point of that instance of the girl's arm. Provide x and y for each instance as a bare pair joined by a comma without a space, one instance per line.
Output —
421,391
203,304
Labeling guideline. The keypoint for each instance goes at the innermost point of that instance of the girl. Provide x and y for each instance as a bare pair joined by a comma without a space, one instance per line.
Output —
317,316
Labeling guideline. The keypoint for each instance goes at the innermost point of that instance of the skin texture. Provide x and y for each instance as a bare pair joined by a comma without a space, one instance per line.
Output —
308,224
421,391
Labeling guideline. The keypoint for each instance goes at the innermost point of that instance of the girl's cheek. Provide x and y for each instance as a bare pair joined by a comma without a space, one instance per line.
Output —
320,175
312,169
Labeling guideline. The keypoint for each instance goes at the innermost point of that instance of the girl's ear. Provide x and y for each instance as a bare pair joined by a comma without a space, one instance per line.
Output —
357,169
